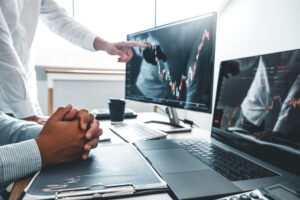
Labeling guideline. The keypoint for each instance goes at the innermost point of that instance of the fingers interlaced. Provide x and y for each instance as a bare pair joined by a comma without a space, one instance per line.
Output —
93,130
71,115
83,116
60,113
93,142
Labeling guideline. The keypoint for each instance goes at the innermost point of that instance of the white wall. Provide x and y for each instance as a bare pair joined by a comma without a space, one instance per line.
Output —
92,94
245,28
251,27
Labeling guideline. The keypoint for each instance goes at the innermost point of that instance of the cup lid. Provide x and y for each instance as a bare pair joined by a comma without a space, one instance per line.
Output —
116,100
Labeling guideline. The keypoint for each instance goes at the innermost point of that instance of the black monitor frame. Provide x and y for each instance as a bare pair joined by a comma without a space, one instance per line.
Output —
205,108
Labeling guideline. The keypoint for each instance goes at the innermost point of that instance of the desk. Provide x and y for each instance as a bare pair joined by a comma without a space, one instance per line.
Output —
142,117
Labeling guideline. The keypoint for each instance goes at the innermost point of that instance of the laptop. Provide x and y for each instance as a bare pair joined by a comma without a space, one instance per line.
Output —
255,135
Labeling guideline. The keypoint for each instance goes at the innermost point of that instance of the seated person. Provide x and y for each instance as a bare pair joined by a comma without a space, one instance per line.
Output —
26,147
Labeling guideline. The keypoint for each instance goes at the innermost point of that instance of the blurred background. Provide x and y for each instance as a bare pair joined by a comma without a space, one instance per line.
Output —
244,28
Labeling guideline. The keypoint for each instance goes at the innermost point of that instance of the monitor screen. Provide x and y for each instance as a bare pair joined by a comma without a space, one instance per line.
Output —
259,98
176,69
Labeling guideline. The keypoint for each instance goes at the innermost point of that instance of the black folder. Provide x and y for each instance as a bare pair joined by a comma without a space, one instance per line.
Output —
110,170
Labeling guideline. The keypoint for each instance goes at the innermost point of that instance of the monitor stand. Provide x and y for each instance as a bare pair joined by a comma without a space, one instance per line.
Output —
174,125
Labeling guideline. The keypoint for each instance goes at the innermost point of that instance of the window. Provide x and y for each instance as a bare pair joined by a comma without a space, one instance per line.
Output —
110,19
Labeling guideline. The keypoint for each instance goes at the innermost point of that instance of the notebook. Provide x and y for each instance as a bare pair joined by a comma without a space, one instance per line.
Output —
255,133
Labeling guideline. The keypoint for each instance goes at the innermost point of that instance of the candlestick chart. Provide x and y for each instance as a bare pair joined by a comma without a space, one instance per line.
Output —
185,79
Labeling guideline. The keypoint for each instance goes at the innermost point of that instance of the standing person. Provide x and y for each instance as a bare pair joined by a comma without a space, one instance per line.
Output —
18,23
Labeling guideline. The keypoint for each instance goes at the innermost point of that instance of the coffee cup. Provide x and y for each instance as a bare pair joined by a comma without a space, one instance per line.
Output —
116,110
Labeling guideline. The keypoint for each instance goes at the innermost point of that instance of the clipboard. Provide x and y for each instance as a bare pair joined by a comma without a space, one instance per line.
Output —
117,190
110,171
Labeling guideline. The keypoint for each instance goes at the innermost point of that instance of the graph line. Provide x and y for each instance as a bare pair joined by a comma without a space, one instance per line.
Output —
164,74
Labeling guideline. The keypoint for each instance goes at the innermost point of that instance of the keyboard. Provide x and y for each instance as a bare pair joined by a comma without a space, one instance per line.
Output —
251,195
133,132
226,163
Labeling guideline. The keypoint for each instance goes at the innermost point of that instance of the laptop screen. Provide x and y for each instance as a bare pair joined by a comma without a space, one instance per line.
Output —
258,98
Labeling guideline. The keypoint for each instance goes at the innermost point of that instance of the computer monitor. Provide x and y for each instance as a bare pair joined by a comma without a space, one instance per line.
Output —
258,102
176,69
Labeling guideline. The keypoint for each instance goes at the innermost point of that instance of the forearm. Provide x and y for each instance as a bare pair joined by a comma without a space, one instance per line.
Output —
101,44
18,160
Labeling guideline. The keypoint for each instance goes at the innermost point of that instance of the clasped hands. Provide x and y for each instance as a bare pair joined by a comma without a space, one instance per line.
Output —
68,135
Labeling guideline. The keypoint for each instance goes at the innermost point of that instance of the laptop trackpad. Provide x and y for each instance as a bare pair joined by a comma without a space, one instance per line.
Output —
187,176
201,184
173,160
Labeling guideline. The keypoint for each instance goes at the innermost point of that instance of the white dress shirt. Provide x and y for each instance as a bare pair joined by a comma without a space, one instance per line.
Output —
18,22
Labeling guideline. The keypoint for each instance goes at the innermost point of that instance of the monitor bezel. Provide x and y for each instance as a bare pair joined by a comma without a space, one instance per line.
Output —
206,108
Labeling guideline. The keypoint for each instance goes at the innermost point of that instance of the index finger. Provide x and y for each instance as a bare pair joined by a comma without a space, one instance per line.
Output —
134,44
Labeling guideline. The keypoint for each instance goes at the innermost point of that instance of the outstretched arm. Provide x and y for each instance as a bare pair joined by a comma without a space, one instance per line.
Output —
121,49
59,22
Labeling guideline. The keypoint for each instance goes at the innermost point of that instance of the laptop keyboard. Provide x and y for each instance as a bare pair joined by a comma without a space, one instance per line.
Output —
227,163
134,131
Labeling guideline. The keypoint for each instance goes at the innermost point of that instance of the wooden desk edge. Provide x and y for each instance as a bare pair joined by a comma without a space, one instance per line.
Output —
19,187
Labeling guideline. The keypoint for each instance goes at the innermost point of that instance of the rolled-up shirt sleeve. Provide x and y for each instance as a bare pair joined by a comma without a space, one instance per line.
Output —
19,153
59,22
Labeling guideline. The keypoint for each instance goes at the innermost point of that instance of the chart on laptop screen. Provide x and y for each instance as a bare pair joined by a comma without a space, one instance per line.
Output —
259,96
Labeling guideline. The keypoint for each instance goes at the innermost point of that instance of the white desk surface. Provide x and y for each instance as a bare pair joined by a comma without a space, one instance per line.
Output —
148,116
